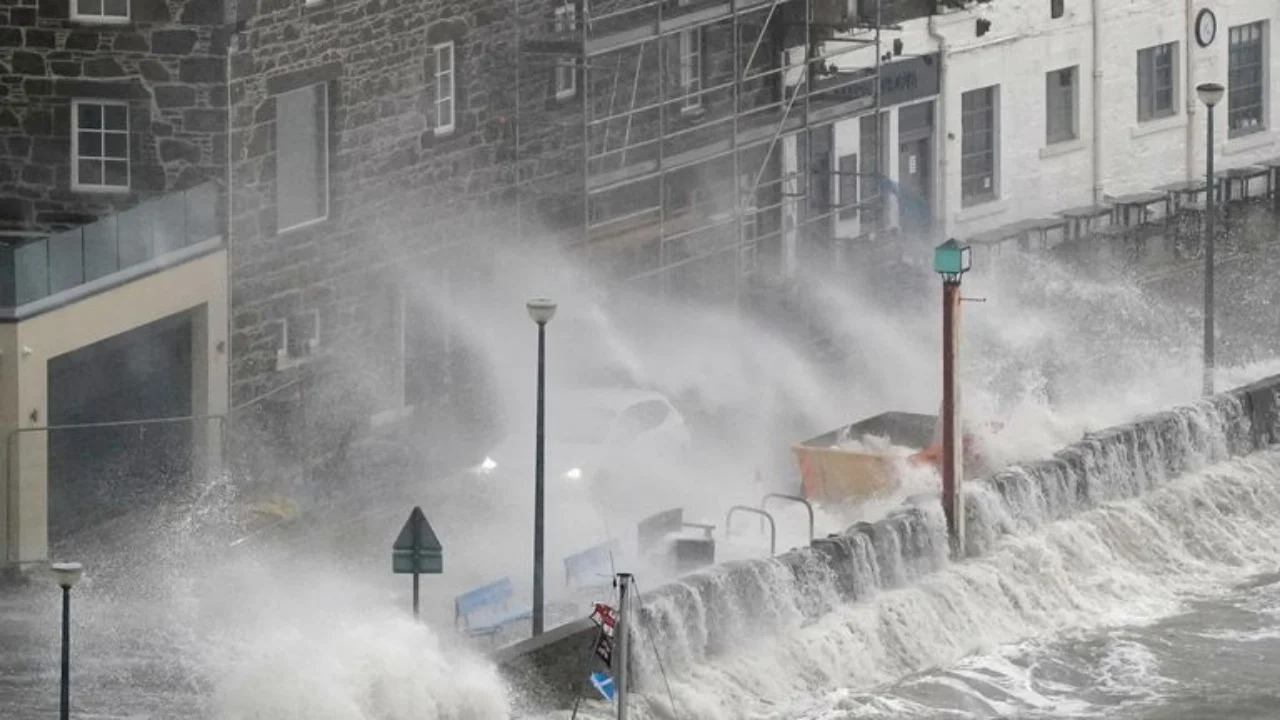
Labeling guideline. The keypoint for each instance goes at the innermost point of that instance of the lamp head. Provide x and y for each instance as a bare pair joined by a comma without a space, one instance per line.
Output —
67,574
1210,93
951,259
541,310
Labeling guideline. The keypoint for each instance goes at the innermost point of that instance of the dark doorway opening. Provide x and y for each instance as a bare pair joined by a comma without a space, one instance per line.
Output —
98,473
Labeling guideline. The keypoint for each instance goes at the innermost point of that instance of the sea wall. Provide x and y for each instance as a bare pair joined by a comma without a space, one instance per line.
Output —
705,613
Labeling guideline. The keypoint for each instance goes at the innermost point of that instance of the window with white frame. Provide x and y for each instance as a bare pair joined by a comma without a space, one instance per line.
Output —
978,176
99,145
1061,93
1157,87
1246,79
566,71
445,88
302,156
691,68
103,11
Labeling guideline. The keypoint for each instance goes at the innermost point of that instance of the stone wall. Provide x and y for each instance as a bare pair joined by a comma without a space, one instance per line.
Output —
167,63
401,197
691,619
404,202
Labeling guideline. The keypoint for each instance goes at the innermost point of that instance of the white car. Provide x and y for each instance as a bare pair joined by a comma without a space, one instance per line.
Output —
594,433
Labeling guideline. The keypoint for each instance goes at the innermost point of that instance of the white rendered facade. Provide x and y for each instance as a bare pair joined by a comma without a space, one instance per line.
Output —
1041,166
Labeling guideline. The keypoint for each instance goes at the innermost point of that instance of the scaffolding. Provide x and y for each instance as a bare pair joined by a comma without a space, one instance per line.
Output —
706,128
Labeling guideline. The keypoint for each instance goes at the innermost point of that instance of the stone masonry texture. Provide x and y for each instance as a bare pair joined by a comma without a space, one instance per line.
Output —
166,62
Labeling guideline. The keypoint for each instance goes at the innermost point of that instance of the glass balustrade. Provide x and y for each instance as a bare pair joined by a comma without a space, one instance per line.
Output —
33,269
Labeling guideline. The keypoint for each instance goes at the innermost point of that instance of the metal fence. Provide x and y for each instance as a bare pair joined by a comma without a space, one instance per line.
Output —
108,473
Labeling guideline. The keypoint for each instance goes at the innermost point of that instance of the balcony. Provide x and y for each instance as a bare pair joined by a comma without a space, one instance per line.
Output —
38,273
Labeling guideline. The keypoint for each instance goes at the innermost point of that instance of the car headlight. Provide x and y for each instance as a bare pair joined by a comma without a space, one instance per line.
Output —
574,474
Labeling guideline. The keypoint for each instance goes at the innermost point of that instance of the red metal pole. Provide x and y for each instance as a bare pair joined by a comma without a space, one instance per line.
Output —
951,441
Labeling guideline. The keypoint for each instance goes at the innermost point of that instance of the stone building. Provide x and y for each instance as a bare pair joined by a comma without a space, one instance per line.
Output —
113,272
279,176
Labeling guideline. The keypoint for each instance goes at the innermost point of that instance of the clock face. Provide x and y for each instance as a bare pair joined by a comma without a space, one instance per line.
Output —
1206,27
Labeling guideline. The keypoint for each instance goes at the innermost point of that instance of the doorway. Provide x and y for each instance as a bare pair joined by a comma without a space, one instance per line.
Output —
915,169
99,473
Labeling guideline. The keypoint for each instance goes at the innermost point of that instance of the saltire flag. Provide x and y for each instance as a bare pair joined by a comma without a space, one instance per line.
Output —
603,682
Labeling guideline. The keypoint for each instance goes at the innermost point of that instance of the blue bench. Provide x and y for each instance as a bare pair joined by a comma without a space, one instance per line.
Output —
592,567
485,610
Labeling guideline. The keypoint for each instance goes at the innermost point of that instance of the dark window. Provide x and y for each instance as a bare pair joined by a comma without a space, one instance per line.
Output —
871,172
1056,8
1060,105
100,10
849,187
100,145
978,146
1246,79
566,68
1156,95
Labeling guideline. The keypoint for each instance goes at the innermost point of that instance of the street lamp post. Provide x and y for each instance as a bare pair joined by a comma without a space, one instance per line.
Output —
1210,94
67,574
951,260
541,310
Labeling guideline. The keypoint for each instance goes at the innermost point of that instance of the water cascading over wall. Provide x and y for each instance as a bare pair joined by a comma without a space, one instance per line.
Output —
705,613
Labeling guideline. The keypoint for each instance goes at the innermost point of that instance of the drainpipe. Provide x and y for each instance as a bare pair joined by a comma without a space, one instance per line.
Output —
1096,9
1188,92
232,43
941,214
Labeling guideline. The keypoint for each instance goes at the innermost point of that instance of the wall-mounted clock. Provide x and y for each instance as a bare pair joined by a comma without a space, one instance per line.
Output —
1206,27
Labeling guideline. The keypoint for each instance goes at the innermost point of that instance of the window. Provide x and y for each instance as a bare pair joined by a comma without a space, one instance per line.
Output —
1246,78
99,145
871,150
302,156
109,11
848,186
1056,8
1060,105
444,88
566,72
691,69
978,146
1156,94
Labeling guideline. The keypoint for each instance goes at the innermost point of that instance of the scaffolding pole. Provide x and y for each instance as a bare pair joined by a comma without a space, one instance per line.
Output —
685,145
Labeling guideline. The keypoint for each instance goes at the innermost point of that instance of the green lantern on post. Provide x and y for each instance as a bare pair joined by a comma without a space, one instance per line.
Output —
951,259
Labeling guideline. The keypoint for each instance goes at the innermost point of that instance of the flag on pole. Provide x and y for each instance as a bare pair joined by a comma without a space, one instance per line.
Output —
604,683
604,617
604,649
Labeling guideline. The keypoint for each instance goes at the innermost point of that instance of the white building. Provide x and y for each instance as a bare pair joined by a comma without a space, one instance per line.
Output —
1047,105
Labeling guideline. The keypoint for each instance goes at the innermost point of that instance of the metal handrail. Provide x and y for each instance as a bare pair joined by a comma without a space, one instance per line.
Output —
792,498
11,528
773,528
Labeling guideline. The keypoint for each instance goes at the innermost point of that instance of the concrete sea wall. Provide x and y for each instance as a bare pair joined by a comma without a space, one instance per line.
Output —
696,616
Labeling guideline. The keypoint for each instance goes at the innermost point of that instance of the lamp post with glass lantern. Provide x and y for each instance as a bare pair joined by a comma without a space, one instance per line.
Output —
951,260
67,574
1210,94
541,310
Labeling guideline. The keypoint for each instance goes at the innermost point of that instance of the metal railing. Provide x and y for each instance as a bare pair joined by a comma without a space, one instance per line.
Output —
36,268
773,527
